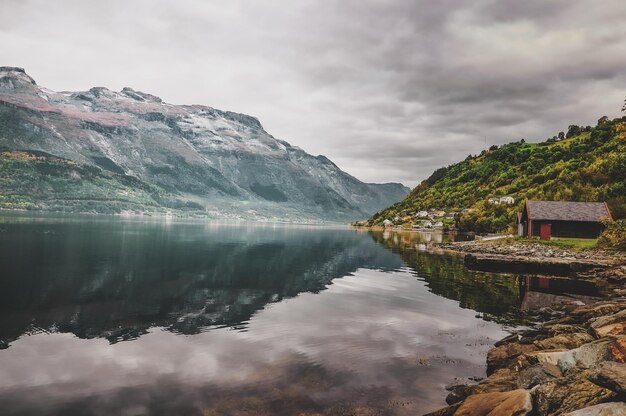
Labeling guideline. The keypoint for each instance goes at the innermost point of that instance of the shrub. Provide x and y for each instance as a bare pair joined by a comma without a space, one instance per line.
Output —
614,235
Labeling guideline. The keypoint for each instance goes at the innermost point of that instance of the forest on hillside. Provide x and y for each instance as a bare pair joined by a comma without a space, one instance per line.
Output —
583,164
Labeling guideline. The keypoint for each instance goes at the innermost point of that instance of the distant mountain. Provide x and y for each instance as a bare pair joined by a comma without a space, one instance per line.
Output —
586,164
107,151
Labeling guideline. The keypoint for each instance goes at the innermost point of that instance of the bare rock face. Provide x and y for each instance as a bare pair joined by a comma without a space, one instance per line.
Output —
224,163
512,403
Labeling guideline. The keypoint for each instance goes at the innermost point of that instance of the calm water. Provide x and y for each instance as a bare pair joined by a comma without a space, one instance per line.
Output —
112,316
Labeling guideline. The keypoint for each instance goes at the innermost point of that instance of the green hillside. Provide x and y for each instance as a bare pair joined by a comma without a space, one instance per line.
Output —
586,164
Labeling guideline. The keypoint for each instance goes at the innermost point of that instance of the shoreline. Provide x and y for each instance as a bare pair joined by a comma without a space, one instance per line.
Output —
572,363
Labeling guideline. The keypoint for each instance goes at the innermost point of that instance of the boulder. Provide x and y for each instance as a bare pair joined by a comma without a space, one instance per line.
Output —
604,409
585,356
558,396
537,374
608,319
511,403
610,375
564,341
618,328
501,357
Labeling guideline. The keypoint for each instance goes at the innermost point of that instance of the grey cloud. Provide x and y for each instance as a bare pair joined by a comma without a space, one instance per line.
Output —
406,86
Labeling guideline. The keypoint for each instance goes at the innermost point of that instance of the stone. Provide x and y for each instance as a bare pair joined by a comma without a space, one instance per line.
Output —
564,341
618,328
536,374
585,356
500,357
503,379
618,350
565,395
512,403
609,319
610,375
507,340
459,393
604,409
446,411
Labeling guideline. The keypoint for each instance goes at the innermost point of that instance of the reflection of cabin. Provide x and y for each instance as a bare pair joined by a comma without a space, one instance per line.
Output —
536,292
562,219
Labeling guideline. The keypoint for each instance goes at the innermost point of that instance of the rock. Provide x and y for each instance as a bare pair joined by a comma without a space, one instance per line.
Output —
512,403
459,393
446,411
564,341
609,319
618,350
610,375
615,329
585,356
565,395
500,357
537,374
507,340
503,379
558,329
604,409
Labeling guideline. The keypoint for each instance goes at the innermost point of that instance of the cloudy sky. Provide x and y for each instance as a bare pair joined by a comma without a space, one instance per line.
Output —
389,90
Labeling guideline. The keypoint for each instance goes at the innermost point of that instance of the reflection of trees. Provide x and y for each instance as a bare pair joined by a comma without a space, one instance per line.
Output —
495,295
95,281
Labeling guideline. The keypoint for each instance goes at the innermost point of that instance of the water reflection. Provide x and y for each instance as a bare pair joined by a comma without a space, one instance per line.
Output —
117,279
505,298
304,320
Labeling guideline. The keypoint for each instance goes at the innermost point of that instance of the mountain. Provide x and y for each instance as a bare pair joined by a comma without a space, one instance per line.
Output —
107,151
586,164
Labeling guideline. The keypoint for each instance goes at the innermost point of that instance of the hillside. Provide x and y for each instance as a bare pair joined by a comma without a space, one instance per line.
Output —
147,155
586,164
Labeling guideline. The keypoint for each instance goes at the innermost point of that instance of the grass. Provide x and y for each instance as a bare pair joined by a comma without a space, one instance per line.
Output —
570,243
562,243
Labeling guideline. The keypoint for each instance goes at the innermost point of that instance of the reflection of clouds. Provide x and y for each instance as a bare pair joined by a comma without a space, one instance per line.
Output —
377,327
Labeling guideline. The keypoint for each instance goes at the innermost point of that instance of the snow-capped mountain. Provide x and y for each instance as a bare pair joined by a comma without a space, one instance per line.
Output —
221,162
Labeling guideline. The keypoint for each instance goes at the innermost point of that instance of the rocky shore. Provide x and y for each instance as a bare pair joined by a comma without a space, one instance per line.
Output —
574,364
529,249
536,258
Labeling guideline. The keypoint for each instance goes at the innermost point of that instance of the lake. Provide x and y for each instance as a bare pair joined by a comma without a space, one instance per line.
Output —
102,315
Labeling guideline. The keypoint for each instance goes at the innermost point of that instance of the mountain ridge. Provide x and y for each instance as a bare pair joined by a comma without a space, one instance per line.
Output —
222,161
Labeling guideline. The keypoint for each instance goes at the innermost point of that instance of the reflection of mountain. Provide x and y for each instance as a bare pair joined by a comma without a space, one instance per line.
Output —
116,280
499,296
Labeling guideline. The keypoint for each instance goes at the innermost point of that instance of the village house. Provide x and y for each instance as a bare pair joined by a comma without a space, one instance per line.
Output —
547,219
387,223
509,200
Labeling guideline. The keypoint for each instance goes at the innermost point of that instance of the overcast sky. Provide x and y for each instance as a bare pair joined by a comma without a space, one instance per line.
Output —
389,90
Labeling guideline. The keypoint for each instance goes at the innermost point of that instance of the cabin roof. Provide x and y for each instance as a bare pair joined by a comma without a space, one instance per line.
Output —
567,211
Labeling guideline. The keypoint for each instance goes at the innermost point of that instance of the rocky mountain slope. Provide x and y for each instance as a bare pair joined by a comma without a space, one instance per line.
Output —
107,151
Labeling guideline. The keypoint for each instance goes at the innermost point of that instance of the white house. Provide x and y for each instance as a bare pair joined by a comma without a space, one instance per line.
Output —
387,224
